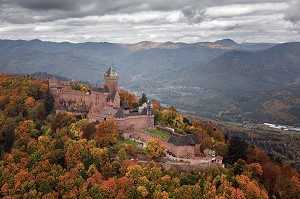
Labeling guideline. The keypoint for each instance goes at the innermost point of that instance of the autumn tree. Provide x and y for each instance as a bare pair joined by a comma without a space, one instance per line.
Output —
156,105
106,133
88,130
155,148
172,118
122,153
128,98
76,128
27,129
158,117
62,119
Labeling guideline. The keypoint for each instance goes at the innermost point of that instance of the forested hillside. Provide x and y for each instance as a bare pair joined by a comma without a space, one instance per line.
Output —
44,155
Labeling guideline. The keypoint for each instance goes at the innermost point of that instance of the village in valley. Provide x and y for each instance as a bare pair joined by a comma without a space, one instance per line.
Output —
138,125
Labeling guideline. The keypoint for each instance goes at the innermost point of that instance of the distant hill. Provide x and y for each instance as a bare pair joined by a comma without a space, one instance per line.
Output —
223,79
258,86
245,46
88,61
277,66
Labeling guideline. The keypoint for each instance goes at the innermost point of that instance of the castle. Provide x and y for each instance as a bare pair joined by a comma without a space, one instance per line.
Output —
100,103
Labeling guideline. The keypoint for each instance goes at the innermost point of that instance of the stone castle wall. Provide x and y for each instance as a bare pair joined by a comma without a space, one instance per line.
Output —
140,122
111,83
183,151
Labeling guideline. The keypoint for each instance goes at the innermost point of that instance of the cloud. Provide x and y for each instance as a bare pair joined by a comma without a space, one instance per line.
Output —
129,21
244,9
195,15
293,11
293,14
50,10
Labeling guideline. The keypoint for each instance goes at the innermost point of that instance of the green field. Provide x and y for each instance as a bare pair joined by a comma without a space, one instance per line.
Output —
133,143
159,133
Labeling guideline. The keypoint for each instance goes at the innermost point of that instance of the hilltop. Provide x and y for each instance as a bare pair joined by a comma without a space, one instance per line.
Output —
48,155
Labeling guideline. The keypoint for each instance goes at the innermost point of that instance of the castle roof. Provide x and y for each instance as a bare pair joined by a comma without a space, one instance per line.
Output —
112,95
101,89
125,105
145,112
184,140
119,113
111,72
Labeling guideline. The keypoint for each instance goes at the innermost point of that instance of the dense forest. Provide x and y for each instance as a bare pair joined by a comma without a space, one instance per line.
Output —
48,155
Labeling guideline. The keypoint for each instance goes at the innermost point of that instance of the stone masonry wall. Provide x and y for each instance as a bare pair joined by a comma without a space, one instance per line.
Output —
181,151
89,99
135,122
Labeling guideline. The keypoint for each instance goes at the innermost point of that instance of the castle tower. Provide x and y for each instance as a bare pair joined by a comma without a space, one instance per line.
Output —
111,79
53,83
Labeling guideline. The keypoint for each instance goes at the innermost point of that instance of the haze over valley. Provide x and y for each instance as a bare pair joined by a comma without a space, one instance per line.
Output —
257,82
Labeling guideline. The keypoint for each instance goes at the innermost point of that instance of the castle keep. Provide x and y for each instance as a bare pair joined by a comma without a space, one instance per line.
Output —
100,103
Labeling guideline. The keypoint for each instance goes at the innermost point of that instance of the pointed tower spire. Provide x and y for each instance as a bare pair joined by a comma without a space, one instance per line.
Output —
111,72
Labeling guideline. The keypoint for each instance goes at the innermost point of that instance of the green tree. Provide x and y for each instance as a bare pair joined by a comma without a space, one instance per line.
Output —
122,153
143,99
221,148
237,149
158,117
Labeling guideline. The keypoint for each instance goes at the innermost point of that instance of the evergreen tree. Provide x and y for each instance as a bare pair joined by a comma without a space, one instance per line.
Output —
237,149
143,99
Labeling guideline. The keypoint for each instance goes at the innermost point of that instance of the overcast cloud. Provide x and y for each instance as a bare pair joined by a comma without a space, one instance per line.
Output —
130,21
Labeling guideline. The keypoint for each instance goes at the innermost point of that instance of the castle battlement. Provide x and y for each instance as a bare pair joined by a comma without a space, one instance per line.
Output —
71,92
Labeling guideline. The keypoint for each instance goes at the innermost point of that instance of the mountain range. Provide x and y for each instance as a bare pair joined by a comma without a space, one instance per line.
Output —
256,82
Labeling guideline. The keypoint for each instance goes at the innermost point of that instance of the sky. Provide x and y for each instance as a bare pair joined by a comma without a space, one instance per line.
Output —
131,21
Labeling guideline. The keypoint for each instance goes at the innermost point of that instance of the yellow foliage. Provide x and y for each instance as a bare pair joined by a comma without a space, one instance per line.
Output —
155,148
142,191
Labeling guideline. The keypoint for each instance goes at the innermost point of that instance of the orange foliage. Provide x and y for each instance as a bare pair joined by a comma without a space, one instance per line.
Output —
236,193
106,133
156,105
29,103
253,191
129,98
111,185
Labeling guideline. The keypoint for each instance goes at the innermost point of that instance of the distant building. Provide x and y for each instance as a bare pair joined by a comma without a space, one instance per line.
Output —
100,103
